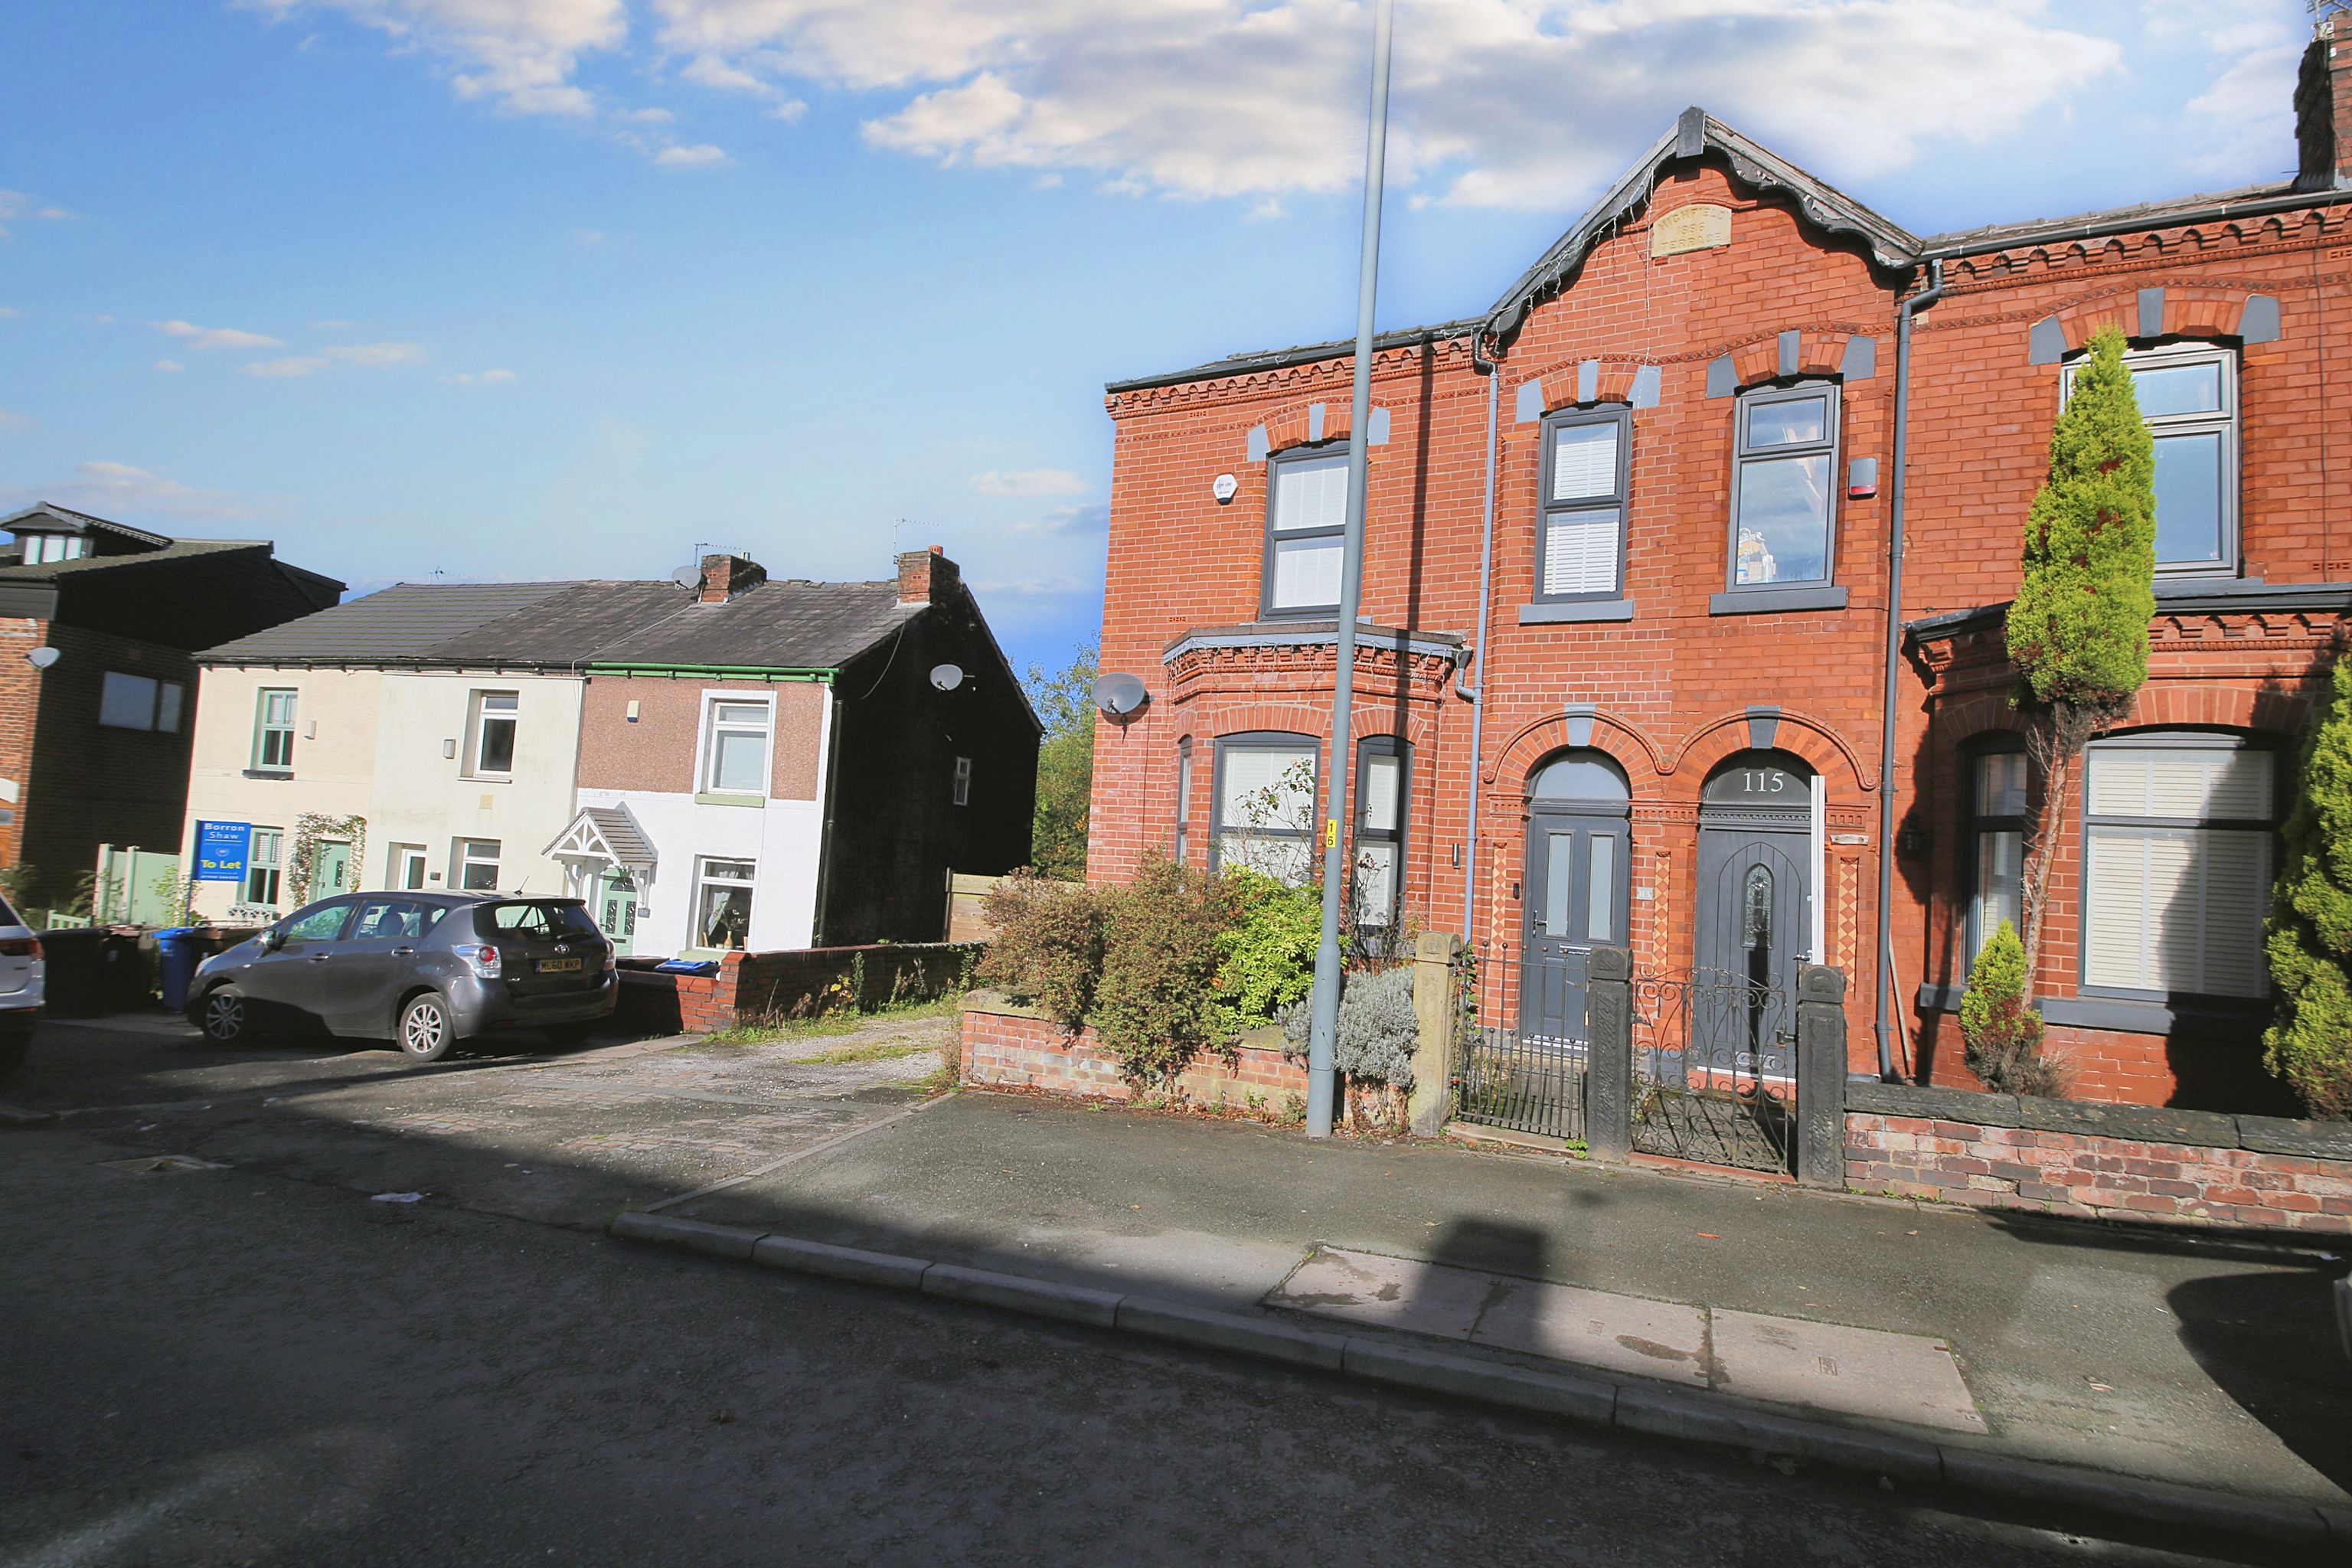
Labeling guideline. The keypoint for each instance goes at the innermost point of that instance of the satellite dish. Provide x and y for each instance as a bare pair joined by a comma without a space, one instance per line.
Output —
1120,697
42,657
687,577
947,676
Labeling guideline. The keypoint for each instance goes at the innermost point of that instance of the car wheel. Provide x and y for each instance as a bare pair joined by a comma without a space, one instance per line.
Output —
227,1017
427,1030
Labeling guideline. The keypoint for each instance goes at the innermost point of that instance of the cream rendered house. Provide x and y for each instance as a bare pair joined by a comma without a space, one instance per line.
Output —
426,736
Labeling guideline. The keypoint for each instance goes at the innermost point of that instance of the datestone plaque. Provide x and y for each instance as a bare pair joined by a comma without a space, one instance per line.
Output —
1699,226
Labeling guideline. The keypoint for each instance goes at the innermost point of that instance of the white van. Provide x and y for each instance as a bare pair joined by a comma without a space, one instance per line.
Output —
20,987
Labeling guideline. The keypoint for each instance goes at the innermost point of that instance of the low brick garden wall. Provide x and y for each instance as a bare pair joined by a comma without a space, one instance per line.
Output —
2092,1160
790,984
1008,1046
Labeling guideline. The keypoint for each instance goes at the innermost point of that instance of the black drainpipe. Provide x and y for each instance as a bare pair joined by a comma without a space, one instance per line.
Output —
1886,1001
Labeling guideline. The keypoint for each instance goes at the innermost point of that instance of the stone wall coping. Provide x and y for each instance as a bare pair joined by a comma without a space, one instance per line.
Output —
2144,1123
1268,1038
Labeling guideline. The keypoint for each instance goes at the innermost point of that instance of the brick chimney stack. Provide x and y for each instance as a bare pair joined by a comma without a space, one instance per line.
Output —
724,576
2323,107
926,576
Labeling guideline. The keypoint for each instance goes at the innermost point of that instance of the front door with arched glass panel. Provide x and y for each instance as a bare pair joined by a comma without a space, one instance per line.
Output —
1754,905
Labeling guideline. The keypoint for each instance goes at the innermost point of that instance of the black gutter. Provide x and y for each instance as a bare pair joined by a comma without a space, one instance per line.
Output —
1306,353
1910,307
1944,247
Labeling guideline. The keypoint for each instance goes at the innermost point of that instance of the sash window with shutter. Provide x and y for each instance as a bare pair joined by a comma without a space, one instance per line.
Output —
1581,545
2177,853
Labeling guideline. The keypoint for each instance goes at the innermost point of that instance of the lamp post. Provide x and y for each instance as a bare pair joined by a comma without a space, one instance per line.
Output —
1325,1011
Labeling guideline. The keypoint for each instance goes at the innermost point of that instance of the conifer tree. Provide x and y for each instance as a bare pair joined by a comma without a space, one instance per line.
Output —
2078,626
2308,940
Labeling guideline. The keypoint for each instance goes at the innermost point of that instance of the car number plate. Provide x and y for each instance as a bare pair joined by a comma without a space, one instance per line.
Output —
557,965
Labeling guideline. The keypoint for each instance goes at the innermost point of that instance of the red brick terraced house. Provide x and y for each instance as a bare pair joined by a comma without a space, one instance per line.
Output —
1630,632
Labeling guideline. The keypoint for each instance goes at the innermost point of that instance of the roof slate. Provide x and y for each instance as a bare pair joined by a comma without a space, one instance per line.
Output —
79,522
772,625
176,551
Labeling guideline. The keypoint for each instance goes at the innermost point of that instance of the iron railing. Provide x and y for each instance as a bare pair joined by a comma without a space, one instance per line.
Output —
1519,1056
1715,1071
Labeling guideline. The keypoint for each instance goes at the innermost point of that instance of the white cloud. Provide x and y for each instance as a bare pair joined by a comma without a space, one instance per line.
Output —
1499,102
8,312
521,53
701,156
2249,110
1063,521
14,205
643,116
292,365
170,366
332,326
376,354
9,419
111,490
480,378
1028,482
198,337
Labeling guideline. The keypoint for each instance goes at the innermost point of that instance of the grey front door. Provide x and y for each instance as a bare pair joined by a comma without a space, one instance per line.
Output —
1752,912
1576,901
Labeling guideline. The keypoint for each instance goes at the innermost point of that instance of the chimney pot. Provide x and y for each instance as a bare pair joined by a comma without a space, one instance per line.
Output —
2323,108
926,575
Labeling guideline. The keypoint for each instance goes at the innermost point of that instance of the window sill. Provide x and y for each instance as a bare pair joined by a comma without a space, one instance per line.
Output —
1773,601
1574,610
708,798
2123,1015
269,772
488,778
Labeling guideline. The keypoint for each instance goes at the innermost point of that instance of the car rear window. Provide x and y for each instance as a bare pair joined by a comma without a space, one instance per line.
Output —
7,914
540,919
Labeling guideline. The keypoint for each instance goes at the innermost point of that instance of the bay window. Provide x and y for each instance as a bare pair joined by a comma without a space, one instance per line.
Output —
1265,795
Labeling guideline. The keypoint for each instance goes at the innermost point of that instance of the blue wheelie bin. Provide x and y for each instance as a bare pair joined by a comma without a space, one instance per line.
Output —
178,950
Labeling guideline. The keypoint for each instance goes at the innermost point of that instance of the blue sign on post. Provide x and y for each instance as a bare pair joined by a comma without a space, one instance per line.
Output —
220,851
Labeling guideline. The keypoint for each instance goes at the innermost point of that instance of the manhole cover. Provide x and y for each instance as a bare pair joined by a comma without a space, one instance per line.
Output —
162,1164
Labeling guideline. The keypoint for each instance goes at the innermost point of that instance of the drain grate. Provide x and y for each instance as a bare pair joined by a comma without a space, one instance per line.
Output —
162,1164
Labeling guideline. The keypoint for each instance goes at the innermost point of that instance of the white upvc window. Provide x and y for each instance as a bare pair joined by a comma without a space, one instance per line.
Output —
738,733
491,748
42,548
273,730
2177,865
722,903
405,867
477,865
1266,796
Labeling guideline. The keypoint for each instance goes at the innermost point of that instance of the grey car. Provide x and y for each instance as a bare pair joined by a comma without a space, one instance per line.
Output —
426,970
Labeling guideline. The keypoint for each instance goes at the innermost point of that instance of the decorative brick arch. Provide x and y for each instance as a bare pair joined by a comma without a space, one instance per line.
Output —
1221,719
1822,747
1291,427
1978,715
1619,738
2163,704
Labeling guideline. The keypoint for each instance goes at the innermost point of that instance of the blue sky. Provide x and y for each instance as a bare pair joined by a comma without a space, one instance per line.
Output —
512,288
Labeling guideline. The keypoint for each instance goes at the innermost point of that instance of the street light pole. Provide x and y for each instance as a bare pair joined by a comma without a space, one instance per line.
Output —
1326,1014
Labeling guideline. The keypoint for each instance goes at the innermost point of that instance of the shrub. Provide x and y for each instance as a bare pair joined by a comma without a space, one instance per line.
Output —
1265,955
1377,1030
1156,1006
1049,945
2001,1034
2308,941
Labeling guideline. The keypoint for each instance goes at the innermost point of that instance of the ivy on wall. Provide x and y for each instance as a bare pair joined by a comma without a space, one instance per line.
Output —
311,829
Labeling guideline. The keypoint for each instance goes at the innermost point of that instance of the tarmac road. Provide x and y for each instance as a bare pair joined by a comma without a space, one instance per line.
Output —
264,1363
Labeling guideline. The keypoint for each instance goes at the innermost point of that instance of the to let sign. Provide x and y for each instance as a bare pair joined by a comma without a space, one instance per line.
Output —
220,851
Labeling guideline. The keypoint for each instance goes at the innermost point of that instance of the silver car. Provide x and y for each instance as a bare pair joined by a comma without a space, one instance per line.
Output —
427,969
20,987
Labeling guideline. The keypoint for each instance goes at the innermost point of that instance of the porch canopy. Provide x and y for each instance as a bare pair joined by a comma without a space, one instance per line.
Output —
604,833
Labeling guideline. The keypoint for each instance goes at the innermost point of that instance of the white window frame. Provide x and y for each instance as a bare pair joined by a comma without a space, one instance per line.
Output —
1985,825
1183,798
2223,422
462,856
706,782
396,865
962,788
481,717
1390,837
706,876
263,728
2096,825
40,548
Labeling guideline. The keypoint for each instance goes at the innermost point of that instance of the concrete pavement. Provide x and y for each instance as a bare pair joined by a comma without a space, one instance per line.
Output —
2204,1361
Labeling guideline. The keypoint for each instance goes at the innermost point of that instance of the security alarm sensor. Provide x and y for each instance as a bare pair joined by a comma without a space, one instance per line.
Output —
1225,488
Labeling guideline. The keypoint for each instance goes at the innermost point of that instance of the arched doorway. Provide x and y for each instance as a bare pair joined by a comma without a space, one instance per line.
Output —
1753,902
1580,858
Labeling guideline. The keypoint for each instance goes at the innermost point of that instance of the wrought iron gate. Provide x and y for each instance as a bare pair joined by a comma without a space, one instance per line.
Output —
1519,1063
1715,1071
